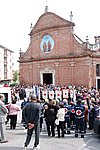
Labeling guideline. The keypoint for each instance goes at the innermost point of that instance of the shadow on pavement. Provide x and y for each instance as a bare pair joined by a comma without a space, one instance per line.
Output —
92,142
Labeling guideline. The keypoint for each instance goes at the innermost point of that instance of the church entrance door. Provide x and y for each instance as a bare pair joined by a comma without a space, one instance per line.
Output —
47,78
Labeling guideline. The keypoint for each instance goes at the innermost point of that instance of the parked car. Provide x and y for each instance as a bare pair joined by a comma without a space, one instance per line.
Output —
97,124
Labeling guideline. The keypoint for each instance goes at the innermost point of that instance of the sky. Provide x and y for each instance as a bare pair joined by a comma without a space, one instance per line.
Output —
16,17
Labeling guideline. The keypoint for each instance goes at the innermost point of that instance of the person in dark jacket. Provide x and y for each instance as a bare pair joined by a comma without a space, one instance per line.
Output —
31,115
79,118
26,100
50,115
72,115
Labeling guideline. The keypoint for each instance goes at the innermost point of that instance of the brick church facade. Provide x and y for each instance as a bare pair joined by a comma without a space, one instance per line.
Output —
56,55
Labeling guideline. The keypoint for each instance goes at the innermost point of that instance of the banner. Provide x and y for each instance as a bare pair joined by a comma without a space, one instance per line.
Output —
74,96
39,93
71,93
65,93
45,94
58,94
51,94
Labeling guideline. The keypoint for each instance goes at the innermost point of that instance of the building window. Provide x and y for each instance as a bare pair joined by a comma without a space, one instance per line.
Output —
5,60
5,52
98,70
5,75
5,68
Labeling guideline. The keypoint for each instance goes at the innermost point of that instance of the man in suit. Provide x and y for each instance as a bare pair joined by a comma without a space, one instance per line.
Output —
3,112
31,116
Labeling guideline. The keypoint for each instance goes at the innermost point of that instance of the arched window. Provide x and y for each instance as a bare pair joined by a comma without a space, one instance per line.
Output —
47,43
98,70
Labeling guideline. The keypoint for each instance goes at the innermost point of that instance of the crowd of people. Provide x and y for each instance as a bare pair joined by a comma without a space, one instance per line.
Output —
87,101
59,108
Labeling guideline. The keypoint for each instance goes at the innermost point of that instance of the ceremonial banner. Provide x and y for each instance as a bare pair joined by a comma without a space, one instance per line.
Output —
74,96
39,93
45,94
65,93
34,91
58,94
51,94
71,93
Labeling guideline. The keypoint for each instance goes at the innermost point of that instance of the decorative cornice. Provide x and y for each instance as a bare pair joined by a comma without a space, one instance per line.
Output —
52,58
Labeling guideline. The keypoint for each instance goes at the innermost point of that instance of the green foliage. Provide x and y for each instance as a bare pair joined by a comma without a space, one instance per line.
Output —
16,76
13,84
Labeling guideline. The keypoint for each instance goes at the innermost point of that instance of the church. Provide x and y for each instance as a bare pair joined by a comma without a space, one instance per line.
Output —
56,55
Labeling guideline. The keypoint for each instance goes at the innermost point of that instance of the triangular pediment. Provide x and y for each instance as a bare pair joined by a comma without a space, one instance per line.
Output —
50,20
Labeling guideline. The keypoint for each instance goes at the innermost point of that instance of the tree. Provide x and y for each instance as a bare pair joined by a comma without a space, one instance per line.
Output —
16,76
